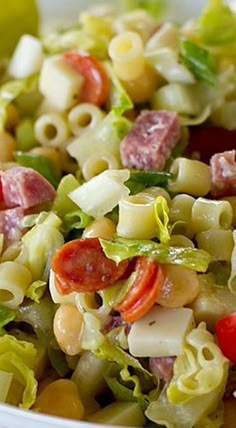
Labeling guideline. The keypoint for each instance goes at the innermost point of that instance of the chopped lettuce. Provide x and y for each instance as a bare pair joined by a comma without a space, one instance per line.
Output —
199,61
197,386
74,38
139,180
17,18
217,24
62,203
40,163
161,210
11,90
6,315
25,136
36,290
76,219
120,100
18,357
126,377
124,249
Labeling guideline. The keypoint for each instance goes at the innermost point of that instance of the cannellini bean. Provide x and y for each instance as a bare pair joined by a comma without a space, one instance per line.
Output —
68,327
61,398
180,287
102,227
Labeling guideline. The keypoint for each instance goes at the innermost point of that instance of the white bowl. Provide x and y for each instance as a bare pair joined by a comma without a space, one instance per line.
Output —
58,12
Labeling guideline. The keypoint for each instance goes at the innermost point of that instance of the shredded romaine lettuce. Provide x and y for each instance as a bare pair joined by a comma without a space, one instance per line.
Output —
119,99
18,357
124,249
36,290
6,315
139,180
161,210
199,61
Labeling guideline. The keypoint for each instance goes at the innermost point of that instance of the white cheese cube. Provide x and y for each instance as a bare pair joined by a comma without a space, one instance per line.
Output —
161,332
102,193
60,83
27,57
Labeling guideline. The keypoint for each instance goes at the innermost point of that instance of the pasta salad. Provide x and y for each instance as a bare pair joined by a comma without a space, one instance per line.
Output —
118,216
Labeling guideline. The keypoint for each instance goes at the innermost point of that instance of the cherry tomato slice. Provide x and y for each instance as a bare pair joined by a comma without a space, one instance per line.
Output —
225,330
81,265
95,88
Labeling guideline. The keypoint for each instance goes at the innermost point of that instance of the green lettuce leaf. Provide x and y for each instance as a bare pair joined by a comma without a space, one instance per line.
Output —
17,18
18,357
120,100
6,315
62,203
11,90
40,163
76,219
36,290
126,377
161,210
25,137
139,180
124,249
199,61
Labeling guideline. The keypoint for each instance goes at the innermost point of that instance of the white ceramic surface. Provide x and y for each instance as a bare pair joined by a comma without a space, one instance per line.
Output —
59,11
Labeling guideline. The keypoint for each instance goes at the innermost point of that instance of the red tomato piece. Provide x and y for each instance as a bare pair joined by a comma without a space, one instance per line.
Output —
225,330
81,265
144,290
95,88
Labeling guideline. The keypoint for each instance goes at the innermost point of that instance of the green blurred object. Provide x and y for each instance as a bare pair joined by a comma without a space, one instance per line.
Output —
17,17
25,135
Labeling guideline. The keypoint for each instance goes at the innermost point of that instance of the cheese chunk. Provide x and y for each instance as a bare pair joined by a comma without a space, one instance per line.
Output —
160,333
102,193
27,57
59,83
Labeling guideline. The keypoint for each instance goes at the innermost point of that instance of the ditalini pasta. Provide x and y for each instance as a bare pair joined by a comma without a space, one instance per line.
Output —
118,215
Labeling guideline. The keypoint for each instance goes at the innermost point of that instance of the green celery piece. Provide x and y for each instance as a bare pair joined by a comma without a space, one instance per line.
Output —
191,258
62,203
153,7
40,163
199,61
25,138
6,315
139,180
17,17
217,24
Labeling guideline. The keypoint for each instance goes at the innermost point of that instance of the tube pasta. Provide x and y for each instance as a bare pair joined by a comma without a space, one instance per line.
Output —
51,130
200,183
84,116
56,296
98,163
141,89
14,281
217,242
156,191
138,21
127,54
141,208
180,214
86,302
207,214
232,201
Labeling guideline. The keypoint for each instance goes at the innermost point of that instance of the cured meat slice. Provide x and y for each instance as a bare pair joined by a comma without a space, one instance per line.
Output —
162,367
25,187
148,144
10,225
223,173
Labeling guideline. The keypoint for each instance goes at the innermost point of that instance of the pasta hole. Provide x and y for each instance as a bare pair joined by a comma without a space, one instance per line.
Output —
84,120
140,200
124,47
6,296
94,168
50,131
225,219
207,354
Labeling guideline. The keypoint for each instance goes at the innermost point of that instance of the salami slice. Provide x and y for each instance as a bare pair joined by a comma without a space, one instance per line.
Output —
81,265
148,144
25,187
162,367
223,173
10,225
